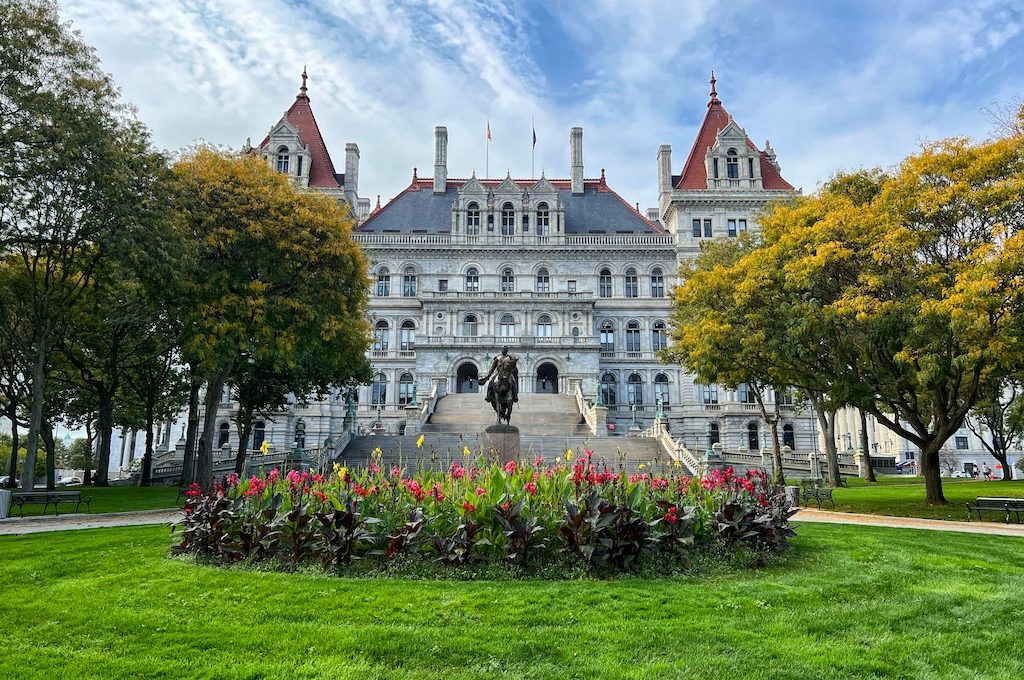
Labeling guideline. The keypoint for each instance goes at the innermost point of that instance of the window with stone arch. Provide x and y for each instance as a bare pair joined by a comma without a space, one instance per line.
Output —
259,433
732,164
632,284
607,336
406,389
508,280
381,331
543,281
789,437
469,325
473,219
633,336
383,282
543,326
608,387
543,220
661,389
283,158
472,280
409,282
223,434
300,435
753,437
604,284
635,389
407,336
379,389
508,220
507,326
657,283
659,336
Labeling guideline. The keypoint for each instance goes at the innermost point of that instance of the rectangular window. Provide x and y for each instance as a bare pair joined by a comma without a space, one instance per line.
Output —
709,394
442,285
526,224
716,168
961,443
572,286
696,228
732,227
299,169
750,167
707,228
743,225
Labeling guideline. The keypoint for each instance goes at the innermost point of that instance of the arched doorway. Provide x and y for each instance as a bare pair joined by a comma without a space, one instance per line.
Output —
466,378
547,379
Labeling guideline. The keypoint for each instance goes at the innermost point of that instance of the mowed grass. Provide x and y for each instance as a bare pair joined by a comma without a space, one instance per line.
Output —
112,499
849,602
907,500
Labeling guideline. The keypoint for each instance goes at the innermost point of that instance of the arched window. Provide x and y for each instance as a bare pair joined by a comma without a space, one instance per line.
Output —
507,326
661,389
383,282
543,220
409,282
632,287
300,435
604,286
406,389
732,164
380,336
544,326
753,437
635,389
472,280
379,389
633,336
469,324
259,434
657,283
223,434
716,434
659,336
608,385
473,219
282,159
407,336
607,337
543,281
575,332
788,437
508,220
508,281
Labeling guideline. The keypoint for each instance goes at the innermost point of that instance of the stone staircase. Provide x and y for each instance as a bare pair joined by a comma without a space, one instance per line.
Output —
535,414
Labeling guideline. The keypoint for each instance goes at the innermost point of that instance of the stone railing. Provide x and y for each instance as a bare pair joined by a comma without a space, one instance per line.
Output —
620,240
508,295
576,240
675,450
595,416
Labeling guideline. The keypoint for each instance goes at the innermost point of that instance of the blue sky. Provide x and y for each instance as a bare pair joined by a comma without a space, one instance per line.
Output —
832,84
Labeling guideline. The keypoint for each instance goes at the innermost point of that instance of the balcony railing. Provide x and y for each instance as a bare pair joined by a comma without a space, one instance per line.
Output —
507,295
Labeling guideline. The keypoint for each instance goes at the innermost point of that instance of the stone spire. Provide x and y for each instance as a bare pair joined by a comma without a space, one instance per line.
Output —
714,92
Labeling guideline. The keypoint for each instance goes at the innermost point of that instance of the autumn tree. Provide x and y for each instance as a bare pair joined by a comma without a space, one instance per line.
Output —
997,419
276,275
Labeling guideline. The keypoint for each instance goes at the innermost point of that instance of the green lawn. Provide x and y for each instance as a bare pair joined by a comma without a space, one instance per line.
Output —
114,499
907,499
851,602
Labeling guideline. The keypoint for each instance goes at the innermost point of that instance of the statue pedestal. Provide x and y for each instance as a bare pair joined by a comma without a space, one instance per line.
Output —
501,442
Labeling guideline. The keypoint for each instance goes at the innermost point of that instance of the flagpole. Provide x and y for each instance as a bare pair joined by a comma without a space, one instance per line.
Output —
487,162
533,149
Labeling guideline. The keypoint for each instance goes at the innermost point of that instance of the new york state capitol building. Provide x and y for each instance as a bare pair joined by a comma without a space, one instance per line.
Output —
567,273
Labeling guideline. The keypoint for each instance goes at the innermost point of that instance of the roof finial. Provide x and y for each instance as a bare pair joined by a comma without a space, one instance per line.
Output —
378,203
302,90
602,175
414,178
714,92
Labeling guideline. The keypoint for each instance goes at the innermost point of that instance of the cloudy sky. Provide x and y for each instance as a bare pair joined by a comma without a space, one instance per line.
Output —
838,84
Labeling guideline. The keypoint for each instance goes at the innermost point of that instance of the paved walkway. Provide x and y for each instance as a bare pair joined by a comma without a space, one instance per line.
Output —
826,516
38,524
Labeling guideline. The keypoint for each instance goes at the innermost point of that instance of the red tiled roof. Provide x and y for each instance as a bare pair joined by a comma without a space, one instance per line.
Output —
300,116
695,174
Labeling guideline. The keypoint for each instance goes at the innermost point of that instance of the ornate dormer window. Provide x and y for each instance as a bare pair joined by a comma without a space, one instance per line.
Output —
732,164
508,220
543,220
282,159
473,219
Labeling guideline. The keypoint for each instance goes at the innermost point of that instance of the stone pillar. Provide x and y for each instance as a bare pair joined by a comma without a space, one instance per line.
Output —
576,159
440,159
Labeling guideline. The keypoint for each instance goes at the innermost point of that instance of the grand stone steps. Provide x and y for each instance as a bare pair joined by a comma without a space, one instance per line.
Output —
535,414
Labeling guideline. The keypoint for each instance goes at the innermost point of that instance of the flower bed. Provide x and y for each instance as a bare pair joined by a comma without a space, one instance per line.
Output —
526,514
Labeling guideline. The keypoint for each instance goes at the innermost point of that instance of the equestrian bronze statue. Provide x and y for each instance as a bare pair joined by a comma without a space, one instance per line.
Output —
503,391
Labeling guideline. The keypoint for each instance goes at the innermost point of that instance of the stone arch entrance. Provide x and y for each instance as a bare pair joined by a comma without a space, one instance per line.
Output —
467,378
546,381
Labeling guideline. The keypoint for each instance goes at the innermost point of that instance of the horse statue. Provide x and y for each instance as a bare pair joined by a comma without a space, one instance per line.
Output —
503,390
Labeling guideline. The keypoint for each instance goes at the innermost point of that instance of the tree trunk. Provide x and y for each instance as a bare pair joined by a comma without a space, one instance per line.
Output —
827,421
214,388
932,471
867,471
244,433
105,423
12,464
778,475
46,432
191,431
87,476
28,474
146,471
131,447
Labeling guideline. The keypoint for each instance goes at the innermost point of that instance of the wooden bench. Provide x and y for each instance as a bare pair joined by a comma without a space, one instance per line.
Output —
48,498
1008,506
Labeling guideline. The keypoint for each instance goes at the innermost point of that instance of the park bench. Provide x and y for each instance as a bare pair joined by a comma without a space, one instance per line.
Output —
811,490
1007,506
48,498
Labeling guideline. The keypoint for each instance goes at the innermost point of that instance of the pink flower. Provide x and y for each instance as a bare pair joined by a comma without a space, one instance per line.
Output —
373,468
437,493
232,479
538,460
480,491
458,472
530,488
274,476
510,467
396,471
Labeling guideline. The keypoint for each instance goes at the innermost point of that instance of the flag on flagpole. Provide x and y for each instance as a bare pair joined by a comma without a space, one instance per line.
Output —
534,137
488,130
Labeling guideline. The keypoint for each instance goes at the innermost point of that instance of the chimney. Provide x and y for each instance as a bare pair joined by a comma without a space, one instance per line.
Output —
440,159
351,172
664,168
576,159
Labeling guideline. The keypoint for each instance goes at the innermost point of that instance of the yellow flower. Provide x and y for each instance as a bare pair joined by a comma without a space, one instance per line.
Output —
419,442
337,469
568,454
341,471
641,466
465,451
377,452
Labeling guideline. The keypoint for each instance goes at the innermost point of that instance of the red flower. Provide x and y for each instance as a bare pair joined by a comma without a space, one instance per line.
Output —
273,476
194,491
468,507
437,493
538,460
232,479
510,467
670,516
458,472
530,488
480,491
